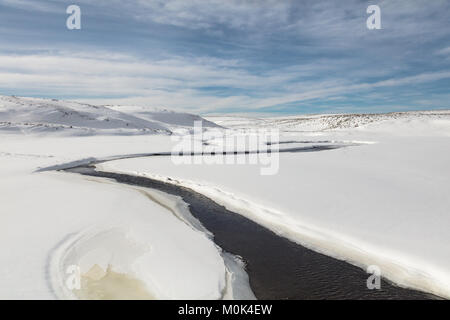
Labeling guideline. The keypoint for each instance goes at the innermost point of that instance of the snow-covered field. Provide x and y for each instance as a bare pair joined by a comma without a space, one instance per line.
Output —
382,200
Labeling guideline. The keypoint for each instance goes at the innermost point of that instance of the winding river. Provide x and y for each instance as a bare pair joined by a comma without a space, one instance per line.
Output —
277,267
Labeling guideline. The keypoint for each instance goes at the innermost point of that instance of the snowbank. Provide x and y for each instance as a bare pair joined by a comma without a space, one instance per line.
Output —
150,242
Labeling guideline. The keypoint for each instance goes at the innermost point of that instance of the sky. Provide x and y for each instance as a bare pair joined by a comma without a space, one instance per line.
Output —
233,56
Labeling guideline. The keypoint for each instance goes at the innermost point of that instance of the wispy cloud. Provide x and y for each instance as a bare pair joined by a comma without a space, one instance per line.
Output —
32,5
211,56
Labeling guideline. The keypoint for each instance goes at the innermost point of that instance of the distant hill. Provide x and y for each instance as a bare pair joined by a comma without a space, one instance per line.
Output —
324,122
51,115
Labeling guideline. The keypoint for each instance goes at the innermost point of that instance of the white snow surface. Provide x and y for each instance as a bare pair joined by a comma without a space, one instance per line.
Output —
383,202
51,220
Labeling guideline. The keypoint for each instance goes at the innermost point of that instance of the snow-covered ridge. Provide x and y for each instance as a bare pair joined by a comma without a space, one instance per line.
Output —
323,122
164,116
51,115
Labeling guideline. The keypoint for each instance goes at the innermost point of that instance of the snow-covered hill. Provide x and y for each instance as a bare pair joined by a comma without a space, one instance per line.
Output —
164,116
325,122
45,115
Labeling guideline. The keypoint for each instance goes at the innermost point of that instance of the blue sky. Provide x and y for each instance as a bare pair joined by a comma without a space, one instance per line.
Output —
215,56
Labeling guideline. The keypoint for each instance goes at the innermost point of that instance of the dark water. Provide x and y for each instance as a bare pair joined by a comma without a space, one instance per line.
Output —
277,267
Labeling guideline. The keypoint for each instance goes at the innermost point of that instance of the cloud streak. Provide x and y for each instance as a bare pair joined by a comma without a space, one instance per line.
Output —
229,56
